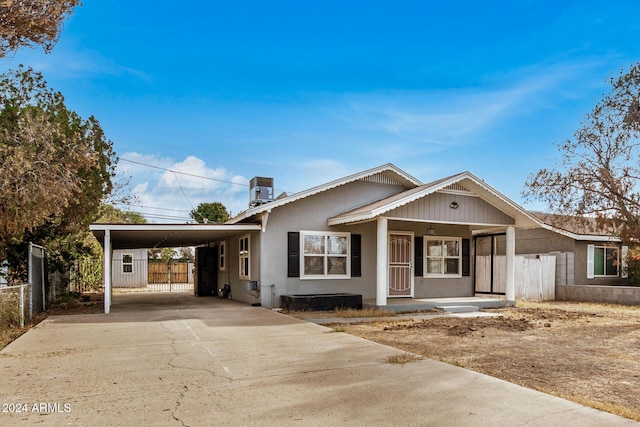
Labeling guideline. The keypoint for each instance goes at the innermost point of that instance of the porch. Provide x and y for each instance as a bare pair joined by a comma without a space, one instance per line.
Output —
406,305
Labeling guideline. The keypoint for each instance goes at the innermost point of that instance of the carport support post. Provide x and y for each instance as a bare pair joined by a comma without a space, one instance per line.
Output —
511,262
107,271
381,262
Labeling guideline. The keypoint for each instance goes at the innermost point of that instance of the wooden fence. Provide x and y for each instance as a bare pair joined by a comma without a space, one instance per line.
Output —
535,276
173,272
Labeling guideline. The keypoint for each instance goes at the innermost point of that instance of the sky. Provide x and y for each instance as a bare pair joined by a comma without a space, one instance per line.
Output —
198,97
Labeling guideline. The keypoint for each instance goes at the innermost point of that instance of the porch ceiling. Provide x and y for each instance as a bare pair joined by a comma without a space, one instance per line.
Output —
132,236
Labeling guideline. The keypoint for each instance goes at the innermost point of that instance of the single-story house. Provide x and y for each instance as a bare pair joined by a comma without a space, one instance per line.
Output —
379,233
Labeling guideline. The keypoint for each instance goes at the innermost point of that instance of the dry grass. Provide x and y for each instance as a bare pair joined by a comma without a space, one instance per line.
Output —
402,358
350,313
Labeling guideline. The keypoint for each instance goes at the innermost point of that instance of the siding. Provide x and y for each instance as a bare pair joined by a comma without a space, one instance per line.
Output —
436,207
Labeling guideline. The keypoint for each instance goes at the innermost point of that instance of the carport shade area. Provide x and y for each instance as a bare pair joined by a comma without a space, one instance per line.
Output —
146,236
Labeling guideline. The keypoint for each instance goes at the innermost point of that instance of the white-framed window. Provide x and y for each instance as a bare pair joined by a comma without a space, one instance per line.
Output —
442,256
127,263
222,256
245,257
325,255
603,261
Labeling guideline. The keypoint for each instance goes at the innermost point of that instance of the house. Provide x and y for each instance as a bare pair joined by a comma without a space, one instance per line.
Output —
381,234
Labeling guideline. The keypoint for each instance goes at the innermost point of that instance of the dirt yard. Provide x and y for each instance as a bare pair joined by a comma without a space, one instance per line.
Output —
588,353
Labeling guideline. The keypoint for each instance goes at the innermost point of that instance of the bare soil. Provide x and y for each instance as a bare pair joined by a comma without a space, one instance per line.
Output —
588,353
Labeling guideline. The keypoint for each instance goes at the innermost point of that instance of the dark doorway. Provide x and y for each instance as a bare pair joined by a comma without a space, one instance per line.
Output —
206,278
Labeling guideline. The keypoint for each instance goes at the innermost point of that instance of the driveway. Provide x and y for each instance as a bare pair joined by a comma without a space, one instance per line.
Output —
178,360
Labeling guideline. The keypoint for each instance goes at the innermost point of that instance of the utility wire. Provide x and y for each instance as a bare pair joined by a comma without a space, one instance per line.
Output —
184,173
182,190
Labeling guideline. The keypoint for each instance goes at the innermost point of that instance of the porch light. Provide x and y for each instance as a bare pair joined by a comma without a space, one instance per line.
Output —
431,231
454,205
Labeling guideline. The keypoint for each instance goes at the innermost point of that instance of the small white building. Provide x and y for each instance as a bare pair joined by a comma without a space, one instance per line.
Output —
130,268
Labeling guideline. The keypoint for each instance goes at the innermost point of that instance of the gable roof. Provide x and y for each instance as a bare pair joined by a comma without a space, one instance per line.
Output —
464,180
385,174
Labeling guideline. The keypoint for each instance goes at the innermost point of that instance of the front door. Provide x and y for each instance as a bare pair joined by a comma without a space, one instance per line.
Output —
400,264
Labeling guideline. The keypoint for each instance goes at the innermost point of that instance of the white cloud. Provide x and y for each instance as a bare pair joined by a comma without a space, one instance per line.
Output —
167,190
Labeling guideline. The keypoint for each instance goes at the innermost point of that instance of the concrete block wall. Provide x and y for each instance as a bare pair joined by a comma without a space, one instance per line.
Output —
626,295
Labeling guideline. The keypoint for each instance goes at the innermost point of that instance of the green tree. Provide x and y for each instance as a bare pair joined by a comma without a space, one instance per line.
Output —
57,168
214,212
28,22
598,174
111,214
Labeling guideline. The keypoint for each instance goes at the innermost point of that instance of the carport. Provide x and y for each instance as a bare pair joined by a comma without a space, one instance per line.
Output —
152,236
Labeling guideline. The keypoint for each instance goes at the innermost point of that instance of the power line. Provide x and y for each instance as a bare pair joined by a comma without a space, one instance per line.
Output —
154,207
184,173
183,193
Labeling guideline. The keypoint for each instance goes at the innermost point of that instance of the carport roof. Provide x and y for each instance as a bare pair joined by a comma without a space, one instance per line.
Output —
143,236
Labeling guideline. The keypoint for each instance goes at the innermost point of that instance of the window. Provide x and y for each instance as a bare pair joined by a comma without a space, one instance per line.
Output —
324,255
442,257
127,263
603,261
222,256
244,257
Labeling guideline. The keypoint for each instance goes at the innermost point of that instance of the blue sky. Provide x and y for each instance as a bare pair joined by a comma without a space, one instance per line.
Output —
307,92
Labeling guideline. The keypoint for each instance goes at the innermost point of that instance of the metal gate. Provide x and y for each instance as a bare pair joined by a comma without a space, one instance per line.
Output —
400,265
37,279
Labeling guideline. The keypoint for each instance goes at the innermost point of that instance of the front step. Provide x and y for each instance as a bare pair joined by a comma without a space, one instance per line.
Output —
458,308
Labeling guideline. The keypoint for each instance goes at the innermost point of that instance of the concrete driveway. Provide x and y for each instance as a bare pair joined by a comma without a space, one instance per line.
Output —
178,360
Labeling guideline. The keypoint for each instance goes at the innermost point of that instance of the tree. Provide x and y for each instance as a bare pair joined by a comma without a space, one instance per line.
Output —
598,175
27,22
57,168
214,212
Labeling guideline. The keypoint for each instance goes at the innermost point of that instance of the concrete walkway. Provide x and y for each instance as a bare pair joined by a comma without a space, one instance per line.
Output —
178,360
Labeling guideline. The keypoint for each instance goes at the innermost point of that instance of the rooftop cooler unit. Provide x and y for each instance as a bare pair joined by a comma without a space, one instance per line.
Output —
260,191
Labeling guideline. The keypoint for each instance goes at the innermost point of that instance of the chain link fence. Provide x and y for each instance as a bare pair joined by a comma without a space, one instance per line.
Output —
15,303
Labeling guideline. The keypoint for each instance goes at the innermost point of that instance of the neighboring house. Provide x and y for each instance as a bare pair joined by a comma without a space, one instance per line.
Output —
129,268
587,254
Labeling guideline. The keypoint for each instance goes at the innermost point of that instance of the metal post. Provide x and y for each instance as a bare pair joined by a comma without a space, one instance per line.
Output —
30,279
44,293
22,306
169,273
107,271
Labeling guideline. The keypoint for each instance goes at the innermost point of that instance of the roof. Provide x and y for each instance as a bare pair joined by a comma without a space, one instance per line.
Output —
466,179
133,236
387,173
577,228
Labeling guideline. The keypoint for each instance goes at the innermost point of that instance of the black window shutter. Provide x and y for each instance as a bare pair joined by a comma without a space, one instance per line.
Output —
356,258
418,250
293,252
466,258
